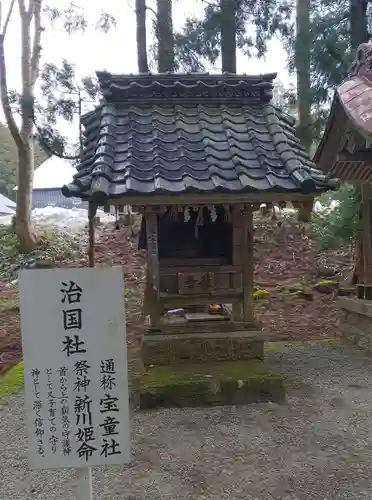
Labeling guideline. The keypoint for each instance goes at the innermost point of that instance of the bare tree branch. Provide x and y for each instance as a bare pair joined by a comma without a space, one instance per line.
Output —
14,130
7,19
151,10
211,4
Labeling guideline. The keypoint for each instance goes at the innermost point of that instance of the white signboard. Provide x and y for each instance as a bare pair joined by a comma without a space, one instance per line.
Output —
75,364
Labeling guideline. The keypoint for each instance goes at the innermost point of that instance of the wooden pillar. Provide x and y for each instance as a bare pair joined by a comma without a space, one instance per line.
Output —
152,285
306,210
248,312
358,274
237,236
366,228
92,210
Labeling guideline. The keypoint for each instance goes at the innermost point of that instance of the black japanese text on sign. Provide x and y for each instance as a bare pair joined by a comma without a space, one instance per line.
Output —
109,408
72,316
37,407
64,411
72,345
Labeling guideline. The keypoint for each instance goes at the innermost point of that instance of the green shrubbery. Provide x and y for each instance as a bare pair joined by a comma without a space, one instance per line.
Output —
55,247
337,226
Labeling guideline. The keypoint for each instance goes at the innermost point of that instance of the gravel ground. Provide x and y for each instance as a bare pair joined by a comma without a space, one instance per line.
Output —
315,447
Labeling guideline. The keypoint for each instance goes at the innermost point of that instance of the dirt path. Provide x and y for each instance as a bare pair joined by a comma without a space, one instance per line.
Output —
315,447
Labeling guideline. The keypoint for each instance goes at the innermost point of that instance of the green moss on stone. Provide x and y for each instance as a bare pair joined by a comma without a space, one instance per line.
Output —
234,370
281,346
260,294
231,382
327,282
200,350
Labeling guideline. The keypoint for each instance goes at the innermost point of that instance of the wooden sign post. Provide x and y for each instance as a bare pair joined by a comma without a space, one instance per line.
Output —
75,370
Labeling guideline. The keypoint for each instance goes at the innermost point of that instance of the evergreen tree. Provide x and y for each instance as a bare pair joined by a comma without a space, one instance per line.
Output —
141,36
256,22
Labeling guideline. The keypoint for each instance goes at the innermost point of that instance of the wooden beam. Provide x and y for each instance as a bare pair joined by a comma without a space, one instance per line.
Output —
247,263
176,300
152,248
358,156
208,199
152,285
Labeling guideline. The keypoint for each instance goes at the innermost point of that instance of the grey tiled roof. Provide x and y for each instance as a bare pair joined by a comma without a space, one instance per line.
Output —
219,137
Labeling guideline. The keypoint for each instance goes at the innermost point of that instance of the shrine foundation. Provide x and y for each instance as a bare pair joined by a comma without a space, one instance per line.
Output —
211,347
210,384
356,321
199,368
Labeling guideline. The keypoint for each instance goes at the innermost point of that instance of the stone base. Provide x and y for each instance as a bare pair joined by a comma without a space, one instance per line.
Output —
226,383
201,348
356,321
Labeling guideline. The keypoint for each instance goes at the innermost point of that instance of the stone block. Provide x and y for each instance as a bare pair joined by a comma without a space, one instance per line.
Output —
224,383
356,323
164,350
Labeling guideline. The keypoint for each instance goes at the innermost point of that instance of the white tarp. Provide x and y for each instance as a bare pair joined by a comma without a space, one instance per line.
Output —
6,206
72,221
53,173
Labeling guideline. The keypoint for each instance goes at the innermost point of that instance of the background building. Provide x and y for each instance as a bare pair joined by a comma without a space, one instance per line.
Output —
48,180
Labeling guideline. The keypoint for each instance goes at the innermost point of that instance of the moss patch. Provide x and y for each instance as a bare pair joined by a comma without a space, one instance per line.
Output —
200,350
233,370
260,294
9,304
12,381
326,286
230,382
327,282
281,346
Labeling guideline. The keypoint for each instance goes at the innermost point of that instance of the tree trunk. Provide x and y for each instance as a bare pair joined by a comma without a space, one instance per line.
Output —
228,36
30,69
142,62
358,23
164,32
23,226
303,72
304,131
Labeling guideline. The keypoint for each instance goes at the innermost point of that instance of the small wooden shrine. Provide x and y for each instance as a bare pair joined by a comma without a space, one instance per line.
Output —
345,152
196,154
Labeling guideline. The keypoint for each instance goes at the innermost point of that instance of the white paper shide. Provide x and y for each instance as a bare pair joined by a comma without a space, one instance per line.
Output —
75,363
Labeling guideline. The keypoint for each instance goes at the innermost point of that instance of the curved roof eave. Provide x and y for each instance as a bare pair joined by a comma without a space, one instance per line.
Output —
355,96
351,108
331,141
